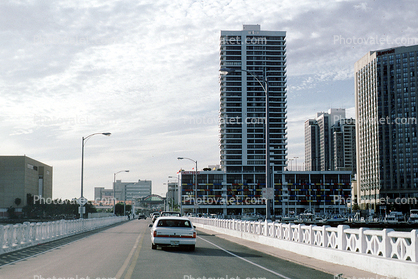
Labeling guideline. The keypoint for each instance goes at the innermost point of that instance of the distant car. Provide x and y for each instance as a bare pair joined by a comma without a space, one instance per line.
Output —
173,231
142,216
170,213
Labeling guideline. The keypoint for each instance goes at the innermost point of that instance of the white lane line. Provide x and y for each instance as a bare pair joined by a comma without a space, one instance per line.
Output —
245,260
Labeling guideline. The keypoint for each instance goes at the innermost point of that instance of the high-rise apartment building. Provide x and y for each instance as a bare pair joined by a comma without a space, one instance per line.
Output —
248,52
386,133
250,56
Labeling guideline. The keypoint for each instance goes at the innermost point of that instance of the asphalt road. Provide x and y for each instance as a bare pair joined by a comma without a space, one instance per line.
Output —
124,251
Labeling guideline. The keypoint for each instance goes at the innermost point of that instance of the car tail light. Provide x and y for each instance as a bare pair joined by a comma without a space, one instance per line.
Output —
155,233
194,234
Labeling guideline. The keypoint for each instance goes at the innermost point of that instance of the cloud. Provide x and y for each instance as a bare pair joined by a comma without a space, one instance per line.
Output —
148,73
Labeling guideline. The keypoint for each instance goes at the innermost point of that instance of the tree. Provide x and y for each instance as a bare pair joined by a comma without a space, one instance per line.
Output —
119,208
355,207
18,201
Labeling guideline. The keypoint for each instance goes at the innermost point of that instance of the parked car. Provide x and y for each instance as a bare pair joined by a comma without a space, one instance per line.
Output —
171,213
173,231
142,216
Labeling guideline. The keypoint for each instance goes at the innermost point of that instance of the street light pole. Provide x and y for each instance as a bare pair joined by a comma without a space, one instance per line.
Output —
114,193
195,184
83,141
124,203
266,130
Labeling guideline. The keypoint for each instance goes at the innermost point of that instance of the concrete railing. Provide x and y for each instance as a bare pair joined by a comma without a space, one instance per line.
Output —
15,237
386,252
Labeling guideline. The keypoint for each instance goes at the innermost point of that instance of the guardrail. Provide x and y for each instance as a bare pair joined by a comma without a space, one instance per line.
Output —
393,246
15,237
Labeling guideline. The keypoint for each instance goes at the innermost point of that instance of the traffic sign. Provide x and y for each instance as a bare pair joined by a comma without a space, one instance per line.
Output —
268,193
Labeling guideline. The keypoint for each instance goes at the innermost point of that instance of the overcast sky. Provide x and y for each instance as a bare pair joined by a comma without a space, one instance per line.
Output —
147,71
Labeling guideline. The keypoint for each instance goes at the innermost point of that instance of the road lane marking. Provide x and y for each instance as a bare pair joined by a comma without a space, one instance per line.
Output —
248,261
128,259
134,260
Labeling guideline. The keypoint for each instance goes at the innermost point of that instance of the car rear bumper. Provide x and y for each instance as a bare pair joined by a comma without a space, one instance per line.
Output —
172,241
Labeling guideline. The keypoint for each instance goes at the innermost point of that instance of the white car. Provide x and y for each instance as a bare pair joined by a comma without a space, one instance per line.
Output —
173,231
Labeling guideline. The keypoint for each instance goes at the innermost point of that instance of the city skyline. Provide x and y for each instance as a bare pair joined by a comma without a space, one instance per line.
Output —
148,73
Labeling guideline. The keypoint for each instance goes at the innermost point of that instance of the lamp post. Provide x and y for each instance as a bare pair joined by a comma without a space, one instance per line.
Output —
195,184
225,71
114,184
83,141
124,200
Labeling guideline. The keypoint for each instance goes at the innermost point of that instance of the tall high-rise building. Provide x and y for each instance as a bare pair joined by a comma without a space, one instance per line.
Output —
311,145
319,141
248,52
386,130
344,145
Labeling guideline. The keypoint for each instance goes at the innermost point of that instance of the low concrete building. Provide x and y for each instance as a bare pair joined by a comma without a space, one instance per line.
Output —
23,179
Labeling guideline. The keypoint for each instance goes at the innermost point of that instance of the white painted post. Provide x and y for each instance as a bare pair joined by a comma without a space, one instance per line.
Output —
362,240
311,235
266,228
341,238
386,247
414,246
324,236
299,236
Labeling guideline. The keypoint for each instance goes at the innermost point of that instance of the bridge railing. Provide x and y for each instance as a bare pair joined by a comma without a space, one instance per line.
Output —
15,237
386,243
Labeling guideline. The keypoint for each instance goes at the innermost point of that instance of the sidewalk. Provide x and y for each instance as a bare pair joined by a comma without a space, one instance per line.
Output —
334,269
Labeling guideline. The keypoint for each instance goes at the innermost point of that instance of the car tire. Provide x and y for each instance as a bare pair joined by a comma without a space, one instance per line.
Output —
191,247
153,246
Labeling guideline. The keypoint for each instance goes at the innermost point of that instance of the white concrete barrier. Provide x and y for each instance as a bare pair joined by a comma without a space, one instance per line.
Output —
15,237
386,252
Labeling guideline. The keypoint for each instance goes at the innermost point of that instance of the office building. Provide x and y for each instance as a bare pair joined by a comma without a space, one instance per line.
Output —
330,142
344,145
386,130
132,190
243,100
21,180
123,191
312,145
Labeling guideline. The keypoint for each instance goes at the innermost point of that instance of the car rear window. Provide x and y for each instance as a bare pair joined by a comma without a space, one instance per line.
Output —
174,223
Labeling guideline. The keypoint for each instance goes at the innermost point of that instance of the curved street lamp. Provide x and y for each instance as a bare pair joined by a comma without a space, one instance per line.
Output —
225,71
195,184
114,183
83,141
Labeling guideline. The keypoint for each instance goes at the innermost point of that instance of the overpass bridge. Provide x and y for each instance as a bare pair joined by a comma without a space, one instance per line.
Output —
117,248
